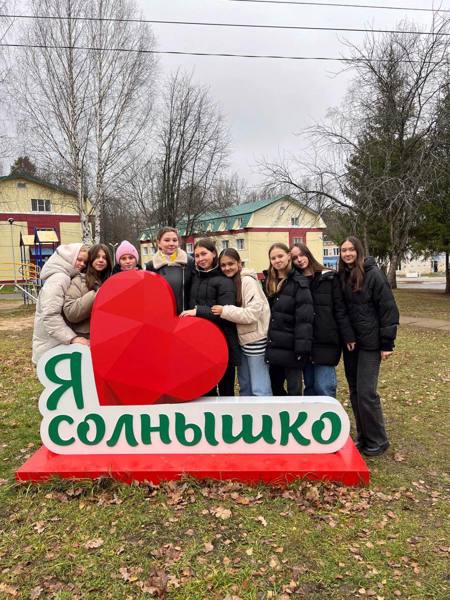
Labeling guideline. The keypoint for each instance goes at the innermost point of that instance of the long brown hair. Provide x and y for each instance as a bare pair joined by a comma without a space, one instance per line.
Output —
94,279
353,277
273,280
234,254
209,245
313,262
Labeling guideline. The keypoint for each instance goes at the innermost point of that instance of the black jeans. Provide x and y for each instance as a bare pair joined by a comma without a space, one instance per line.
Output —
293,377
361,370
226,384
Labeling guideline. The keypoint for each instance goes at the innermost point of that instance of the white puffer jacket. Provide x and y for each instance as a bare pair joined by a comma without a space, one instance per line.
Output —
252,318
50,328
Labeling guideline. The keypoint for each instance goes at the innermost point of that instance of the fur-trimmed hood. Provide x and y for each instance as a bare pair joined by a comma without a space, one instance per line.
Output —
178,258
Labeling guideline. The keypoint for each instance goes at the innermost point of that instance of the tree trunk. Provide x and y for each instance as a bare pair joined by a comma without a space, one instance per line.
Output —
391,274
447,273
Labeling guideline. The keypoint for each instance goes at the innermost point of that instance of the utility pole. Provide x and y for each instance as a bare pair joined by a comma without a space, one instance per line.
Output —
11,222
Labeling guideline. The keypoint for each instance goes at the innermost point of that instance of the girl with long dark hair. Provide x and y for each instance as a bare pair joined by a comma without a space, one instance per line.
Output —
209,288
374,317
82,291
332,327
251,315
290,332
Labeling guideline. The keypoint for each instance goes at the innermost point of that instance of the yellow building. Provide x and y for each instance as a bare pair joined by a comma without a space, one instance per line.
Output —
35,217
252,227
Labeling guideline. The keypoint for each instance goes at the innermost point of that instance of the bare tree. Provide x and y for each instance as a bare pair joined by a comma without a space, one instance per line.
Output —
6,24
51,88
192,147
228,191
372,159
122,85
85,109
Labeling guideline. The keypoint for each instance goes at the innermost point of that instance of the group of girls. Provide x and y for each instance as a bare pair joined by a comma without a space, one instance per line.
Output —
281,333
72,277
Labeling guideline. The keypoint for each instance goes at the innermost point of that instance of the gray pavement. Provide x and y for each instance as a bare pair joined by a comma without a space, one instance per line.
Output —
423,283
425,323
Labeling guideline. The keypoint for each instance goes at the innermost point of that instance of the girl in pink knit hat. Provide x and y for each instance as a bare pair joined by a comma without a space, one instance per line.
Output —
127,258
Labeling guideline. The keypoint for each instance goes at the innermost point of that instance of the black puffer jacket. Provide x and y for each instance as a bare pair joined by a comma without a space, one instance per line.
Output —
373,311
289,339
179,277
332,326
213,287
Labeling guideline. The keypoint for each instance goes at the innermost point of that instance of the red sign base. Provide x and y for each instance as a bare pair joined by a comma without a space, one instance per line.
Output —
345,466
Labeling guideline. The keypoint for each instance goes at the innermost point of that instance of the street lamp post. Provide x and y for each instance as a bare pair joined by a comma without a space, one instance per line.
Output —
11,222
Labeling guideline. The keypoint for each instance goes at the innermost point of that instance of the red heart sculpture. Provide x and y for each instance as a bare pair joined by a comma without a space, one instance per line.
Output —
142,353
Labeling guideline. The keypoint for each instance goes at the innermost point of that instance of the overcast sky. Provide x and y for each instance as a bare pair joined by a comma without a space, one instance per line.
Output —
267,101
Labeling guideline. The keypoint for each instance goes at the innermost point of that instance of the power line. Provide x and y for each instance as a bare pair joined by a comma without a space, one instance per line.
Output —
220,54
342,5
235,25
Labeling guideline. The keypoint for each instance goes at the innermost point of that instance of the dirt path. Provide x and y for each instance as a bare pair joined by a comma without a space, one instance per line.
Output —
9,321
16,323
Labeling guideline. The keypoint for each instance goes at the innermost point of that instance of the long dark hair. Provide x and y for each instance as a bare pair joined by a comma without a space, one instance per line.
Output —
209,245
94,279
234,255
273,280
353,277
313,262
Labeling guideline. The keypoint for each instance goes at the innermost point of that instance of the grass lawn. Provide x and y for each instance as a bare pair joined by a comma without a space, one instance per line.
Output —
192,540
434,304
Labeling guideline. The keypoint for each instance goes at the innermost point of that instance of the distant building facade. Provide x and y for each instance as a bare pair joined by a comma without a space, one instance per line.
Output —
39,216
251,228
422,265
330,253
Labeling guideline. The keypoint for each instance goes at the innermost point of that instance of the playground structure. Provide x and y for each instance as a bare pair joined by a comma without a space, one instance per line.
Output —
34,250
26,280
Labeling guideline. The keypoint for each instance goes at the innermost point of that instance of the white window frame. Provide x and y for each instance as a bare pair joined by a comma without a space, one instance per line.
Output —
189,248
240,244
294,221
41,205
225,244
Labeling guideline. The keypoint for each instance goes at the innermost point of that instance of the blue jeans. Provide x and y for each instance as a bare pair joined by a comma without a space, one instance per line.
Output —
320,380
253,376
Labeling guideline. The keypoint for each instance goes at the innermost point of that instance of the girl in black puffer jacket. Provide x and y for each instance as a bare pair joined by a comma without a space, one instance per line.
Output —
211,287
332,327
289,339
374,317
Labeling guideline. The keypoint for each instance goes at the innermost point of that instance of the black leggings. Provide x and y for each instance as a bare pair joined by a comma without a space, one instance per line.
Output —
293,377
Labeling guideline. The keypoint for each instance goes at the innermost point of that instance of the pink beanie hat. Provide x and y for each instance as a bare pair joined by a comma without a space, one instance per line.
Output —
126,248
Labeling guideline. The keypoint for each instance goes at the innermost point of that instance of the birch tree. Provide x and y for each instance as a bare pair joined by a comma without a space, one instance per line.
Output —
86,94
122,93
51,88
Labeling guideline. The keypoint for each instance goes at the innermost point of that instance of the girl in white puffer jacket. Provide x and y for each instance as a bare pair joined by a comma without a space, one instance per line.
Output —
50,327
252,316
